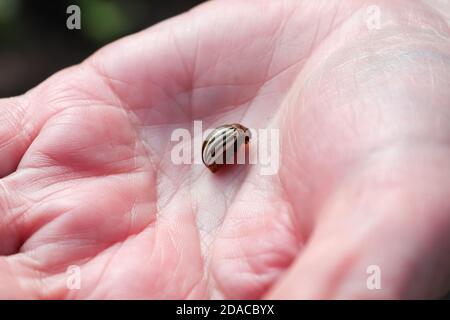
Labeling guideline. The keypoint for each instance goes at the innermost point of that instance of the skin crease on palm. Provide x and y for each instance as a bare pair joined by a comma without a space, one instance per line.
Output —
364,179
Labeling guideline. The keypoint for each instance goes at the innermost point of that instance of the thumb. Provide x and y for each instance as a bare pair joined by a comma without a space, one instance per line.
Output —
379,236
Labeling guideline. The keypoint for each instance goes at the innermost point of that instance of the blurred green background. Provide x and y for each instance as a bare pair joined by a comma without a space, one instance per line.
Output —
35,42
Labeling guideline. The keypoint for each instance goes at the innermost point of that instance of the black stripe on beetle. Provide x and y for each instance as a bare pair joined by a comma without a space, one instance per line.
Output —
222,144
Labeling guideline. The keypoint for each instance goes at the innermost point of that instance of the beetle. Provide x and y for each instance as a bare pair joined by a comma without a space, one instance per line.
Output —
222,144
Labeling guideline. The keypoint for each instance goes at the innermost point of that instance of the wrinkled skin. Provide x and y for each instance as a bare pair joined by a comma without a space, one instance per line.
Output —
364,179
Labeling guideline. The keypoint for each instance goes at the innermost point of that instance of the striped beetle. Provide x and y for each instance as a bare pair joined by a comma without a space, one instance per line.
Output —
222,144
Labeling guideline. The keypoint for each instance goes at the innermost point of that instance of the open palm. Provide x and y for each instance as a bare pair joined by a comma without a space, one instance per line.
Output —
364,177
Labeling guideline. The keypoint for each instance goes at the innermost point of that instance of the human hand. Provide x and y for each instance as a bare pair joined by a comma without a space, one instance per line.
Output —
364,175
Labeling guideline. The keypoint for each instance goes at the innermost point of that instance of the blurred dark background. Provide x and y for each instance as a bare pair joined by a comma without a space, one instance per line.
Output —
35,42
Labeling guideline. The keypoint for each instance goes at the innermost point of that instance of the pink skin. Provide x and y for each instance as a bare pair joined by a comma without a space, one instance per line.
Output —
364,116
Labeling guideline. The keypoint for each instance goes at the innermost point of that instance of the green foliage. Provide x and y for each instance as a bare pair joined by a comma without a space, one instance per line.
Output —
102,20
10,26
8,10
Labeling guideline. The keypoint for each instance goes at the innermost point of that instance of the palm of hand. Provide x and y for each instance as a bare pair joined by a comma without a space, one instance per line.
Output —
96,188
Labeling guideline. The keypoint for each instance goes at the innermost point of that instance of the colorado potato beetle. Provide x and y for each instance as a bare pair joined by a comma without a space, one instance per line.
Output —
222,144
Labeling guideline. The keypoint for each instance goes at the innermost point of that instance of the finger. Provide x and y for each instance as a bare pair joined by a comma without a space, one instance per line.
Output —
389,223
21,118
14,133
78,151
